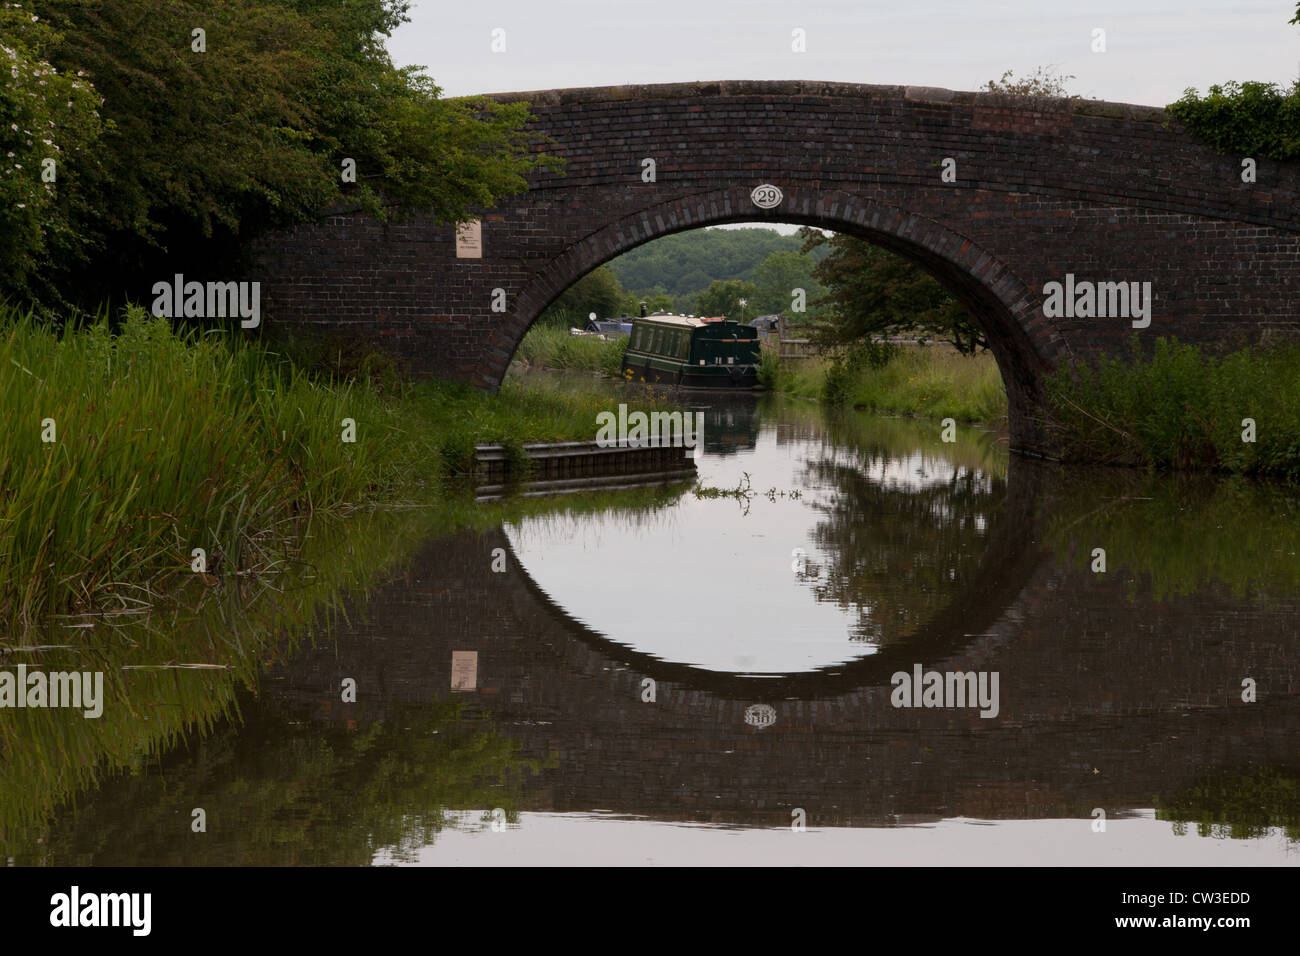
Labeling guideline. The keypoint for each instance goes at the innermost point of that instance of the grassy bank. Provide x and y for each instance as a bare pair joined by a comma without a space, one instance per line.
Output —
1180,408
127,449
556,348
929,382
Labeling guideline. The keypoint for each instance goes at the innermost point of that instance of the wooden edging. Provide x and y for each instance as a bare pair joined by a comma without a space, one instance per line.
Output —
557,467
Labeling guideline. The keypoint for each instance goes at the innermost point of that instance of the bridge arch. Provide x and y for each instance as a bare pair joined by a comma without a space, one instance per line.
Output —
1025,345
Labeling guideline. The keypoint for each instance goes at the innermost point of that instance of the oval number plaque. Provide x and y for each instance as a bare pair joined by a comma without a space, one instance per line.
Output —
767,196
760,715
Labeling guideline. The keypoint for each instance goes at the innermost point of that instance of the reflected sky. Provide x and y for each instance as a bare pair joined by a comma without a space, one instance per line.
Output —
712,582
562,839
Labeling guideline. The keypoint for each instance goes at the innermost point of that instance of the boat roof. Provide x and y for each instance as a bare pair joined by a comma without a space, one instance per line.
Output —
682,320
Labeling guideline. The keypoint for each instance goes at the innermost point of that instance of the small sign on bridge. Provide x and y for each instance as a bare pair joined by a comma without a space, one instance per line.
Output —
469,239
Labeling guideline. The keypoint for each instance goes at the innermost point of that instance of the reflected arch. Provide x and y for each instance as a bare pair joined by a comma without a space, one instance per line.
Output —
955,635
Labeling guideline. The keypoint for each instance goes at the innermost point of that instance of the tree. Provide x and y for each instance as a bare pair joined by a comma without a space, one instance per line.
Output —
1249,118
211,138
684,263
655,300
598,291
1044,81
724,297
873,293
779,275
48,123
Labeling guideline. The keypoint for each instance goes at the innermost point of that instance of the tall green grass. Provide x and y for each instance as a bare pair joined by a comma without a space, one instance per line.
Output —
555,348
927,382
168,441
1182,408
163,442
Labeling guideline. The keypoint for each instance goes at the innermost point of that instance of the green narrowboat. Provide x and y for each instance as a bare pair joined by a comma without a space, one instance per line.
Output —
692,353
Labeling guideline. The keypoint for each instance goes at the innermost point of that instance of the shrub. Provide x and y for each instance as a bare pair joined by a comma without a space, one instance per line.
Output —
1181,408
1253,119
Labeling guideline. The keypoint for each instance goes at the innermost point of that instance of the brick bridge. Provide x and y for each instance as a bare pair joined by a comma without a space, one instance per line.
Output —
1044,187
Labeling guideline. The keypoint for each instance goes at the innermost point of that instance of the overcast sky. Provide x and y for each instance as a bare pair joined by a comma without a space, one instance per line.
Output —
1154,48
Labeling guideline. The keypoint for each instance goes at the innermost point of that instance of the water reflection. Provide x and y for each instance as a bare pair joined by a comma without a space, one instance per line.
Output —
1122,690
848,541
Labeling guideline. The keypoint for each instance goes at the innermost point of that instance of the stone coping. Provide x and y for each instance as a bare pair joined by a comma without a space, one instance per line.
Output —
794,88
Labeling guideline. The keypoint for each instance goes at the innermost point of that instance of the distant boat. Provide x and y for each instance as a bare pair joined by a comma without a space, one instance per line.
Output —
691,352
609,328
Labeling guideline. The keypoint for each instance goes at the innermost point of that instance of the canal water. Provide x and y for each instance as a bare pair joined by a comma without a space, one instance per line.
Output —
770,666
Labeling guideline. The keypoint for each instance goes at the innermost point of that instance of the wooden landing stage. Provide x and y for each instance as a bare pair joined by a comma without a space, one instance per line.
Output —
564,467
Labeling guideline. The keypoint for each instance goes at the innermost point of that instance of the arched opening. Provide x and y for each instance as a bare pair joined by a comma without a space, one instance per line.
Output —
1023,345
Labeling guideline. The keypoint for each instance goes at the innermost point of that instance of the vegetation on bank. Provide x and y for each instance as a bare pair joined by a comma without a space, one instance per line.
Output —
932,381
925,381
555,348
126,449
1181,408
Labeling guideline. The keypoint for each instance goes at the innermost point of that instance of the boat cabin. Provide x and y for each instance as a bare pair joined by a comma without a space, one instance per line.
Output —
691,352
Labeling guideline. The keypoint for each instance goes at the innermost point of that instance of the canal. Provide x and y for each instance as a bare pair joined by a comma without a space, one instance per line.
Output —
850,642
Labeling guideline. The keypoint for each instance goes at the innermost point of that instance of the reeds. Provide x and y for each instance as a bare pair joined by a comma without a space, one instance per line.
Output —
545,347
162,442
1179,407
122,453
932,381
